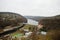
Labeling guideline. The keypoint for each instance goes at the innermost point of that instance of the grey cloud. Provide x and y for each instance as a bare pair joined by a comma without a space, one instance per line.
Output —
31,7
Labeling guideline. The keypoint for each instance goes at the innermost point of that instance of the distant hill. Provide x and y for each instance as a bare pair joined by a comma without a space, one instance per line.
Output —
57,16
36,18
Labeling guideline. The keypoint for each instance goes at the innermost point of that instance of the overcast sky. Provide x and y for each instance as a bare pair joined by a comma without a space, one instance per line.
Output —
31,7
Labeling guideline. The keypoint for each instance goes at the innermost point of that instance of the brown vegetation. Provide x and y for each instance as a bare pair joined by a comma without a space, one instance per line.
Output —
53,35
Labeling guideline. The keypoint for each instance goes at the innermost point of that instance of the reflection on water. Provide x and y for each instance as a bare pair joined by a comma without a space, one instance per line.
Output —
32,22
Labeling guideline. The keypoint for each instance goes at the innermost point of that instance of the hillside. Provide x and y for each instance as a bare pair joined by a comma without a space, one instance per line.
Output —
11,19
52,23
